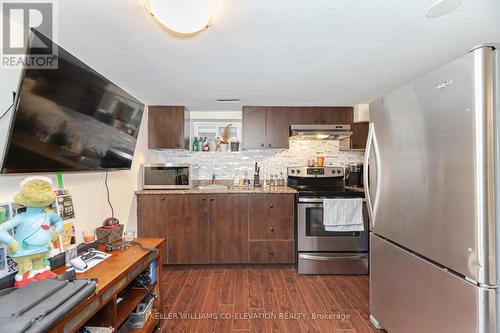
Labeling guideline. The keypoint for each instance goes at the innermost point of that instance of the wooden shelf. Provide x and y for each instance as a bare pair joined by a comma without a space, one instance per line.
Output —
131,298
148,326
101,309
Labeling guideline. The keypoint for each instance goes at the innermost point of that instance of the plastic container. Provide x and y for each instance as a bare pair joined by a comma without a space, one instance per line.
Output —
138,318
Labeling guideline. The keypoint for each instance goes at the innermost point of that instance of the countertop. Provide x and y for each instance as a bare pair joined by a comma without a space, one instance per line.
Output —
231,189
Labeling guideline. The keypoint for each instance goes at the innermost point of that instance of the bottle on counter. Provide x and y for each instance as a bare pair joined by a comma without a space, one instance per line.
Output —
281,179
196,147
206,147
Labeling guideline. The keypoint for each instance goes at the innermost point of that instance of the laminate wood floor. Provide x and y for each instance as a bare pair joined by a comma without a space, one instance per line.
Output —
262,299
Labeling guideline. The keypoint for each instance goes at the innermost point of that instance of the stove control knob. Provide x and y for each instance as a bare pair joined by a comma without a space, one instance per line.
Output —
298,171
292,171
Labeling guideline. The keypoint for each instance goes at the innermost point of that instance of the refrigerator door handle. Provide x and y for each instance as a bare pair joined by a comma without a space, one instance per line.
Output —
366,164
372,205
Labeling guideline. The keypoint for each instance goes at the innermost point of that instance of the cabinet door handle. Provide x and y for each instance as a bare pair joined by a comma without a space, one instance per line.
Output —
269,145
262,145
271,206
211,199
204,199
162,199
271,252
272,229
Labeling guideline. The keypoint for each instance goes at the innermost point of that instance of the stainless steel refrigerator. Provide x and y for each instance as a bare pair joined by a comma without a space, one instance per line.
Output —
432,184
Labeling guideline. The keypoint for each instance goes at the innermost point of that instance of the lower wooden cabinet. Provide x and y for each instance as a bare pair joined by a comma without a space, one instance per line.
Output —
272,252
271,216
220,228
228,228
186,229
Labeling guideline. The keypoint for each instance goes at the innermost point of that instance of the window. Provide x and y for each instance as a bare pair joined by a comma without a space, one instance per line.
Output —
213,129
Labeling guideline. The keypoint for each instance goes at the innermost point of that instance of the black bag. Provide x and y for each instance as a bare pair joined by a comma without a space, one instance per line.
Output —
39,305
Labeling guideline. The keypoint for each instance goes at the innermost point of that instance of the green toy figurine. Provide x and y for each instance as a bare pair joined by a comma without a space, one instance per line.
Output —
29,235
3,214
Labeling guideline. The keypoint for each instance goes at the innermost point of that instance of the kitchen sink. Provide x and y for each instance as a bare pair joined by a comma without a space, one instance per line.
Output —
213,187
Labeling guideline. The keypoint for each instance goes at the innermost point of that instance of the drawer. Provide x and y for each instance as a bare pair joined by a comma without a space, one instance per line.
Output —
271,216
266,252
272,228
333,263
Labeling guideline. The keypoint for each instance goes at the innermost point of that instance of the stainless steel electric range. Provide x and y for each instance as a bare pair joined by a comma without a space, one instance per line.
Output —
321,251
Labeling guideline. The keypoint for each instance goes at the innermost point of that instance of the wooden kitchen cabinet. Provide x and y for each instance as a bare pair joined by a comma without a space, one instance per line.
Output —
187,229
269,127
321,115
305,115
337,115
228,228
277,128
151,210
271,228
271,216
168,127
272,252
265,127
254,127
359,135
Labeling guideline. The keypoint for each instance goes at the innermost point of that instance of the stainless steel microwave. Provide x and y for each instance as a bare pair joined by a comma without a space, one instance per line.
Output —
164,176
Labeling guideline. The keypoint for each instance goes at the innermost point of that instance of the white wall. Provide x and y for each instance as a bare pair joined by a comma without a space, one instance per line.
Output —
87,189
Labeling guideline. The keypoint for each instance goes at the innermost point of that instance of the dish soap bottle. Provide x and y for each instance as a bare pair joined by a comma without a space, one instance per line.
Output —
196,147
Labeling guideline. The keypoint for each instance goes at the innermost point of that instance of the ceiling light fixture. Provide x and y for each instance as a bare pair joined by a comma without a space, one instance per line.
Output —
181,16
442,7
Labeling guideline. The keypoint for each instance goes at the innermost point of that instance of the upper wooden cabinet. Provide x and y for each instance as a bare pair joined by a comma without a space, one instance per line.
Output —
168,127
337,115
265,127
321,115
359,135
268,127
254,127
277,128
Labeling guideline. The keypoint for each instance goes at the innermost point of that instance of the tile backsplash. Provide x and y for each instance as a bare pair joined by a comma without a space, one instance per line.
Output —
272,162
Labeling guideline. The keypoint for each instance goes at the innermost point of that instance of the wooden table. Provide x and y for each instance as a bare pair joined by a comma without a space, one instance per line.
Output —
113,275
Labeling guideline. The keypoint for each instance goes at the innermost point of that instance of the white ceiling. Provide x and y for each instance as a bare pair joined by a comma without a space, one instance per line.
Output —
273,52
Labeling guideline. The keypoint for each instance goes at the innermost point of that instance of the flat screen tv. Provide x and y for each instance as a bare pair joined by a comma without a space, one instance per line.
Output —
70,119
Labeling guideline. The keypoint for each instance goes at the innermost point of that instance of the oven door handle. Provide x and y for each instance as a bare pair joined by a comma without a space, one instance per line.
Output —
326,258
311,200
320,200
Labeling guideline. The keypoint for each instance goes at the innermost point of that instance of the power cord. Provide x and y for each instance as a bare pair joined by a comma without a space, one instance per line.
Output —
103,238
107,193
6,111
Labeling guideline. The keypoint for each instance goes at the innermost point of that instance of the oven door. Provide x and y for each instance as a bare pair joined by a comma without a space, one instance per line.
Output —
312,235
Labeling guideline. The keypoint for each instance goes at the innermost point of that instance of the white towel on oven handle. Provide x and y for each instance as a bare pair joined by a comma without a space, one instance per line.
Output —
343,214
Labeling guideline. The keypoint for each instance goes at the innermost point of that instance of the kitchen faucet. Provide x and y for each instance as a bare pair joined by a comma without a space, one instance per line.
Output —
213,178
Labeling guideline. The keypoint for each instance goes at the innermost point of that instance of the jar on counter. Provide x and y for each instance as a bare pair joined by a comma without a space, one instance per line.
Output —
320,159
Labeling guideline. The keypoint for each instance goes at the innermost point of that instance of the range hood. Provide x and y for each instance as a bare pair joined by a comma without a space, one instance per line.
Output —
320,132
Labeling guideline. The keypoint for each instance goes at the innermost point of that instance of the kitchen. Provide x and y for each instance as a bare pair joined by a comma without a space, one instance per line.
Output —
266,167
261,205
